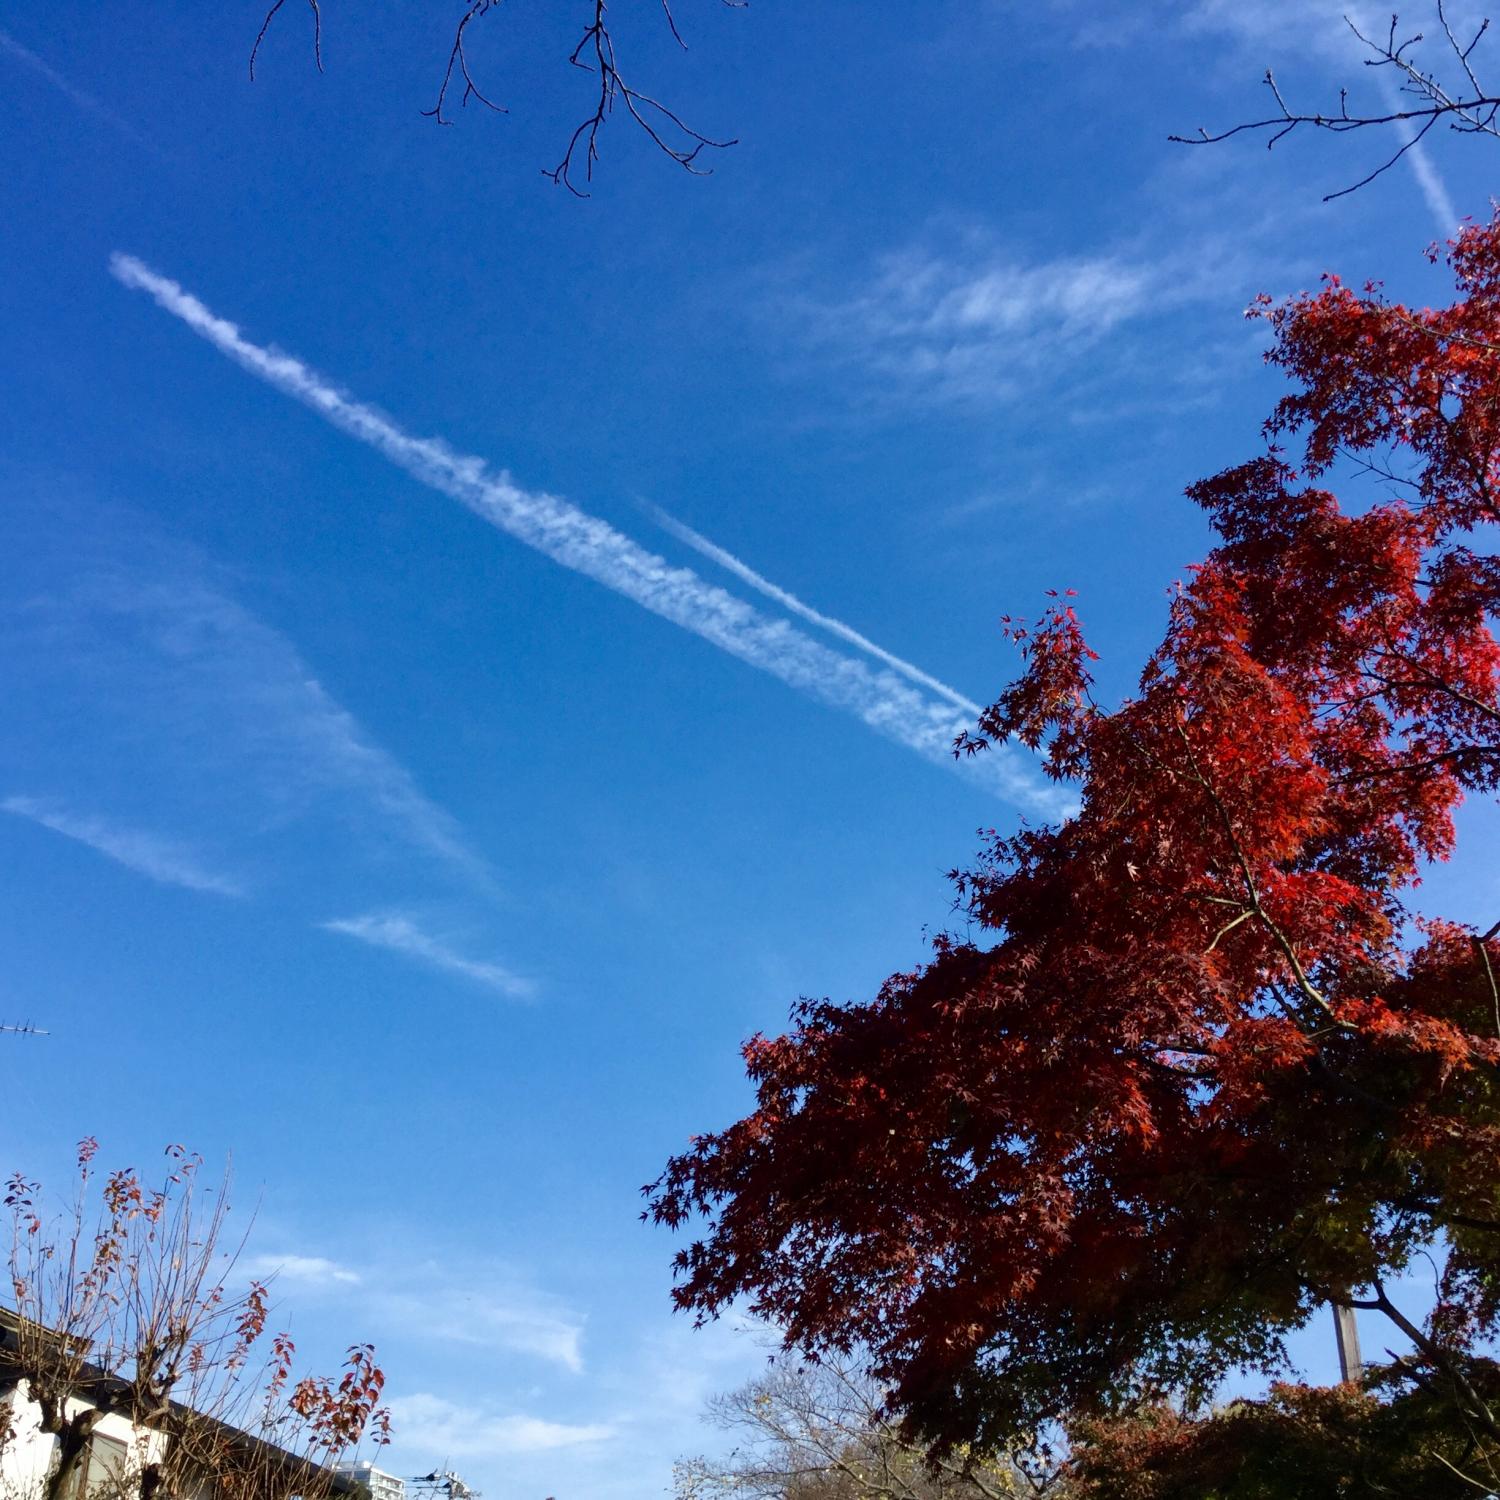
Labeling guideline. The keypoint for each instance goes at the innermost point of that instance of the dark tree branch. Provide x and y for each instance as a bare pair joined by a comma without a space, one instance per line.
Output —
1415,139
595,53
458,58
1471,109
1441,1359
666,8
1482,951
597,44
1435,1211
265,26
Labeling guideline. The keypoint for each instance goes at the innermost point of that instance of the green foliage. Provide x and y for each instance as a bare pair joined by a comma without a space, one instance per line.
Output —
1300,1443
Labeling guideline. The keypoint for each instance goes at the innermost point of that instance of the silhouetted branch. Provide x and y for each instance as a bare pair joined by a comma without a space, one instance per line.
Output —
265,26
1471,108
595,53
458,58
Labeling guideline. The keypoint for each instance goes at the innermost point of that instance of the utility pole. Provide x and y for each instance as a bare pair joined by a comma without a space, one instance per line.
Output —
1346,1331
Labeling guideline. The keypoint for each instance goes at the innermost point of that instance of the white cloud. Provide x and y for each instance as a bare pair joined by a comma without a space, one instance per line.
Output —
400,934
591,546
1074,296
485,1308
972,324
430,1424
206,712
150,854
1302,24
1321,28
490,1306
291,717
303,1270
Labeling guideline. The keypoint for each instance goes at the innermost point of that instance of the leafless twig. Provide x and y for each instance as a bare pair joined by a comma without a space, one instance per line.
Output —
458,58
650,114
1470,108
595,53
265,26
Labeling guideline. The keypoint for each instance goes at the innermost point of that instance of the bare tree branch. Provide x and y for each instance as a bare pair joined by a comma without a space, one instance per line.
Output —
265,26
126,1311
650,114
458,58
594,53
819,1432
1471,108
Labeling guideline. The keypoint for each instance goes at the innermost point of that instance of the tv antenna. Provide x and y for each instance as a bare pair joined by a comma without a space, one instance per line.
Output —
22,1028
441,1484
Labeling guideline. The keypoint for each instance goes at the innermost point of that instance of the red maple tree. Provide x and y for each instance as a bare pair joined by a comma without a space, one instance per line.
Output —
1212,1071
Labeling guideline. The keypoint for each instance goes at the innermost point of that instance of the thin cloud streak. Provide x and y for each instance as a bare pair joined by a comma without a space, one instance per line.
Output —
591,546
388,783
302,1270
71,92
399,934
228,700
1433,188
426,1423
150,854
489,1305
1429,180
789,601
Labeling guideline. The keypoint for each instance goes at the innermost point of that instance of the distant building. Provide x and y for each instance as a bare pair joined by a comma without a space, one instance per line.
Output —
382,1486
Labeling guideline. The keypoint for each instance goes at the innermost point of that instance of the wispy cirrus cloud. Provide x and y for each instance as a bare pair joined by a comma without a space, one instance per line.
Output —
313,1271
427,1423
400,933
488,1305
153,855
189,740
483,1308
304,738
185,708
589,545
972,324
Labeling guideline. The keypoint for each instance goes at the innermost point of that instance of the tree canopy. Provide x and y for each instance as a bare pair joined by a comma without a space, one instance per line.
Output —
1214,1069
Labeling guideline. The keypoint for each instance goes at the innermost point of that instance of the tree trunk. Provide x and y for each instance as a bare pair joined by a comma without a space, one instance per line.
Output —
73,1434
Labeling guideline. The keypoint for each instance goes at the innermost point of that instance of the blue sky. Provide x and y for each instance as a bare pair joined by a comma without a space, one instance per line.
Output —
407,788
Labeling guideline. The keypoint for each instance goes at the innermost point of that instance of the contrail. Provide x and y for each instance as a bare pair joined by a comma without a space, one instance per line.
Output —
789,601
1429,180
1430,183
75,96
591,546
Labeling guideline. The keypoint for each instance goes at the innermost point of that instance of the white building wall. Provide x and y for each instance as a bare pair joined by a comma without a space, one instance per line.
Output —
27,1458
